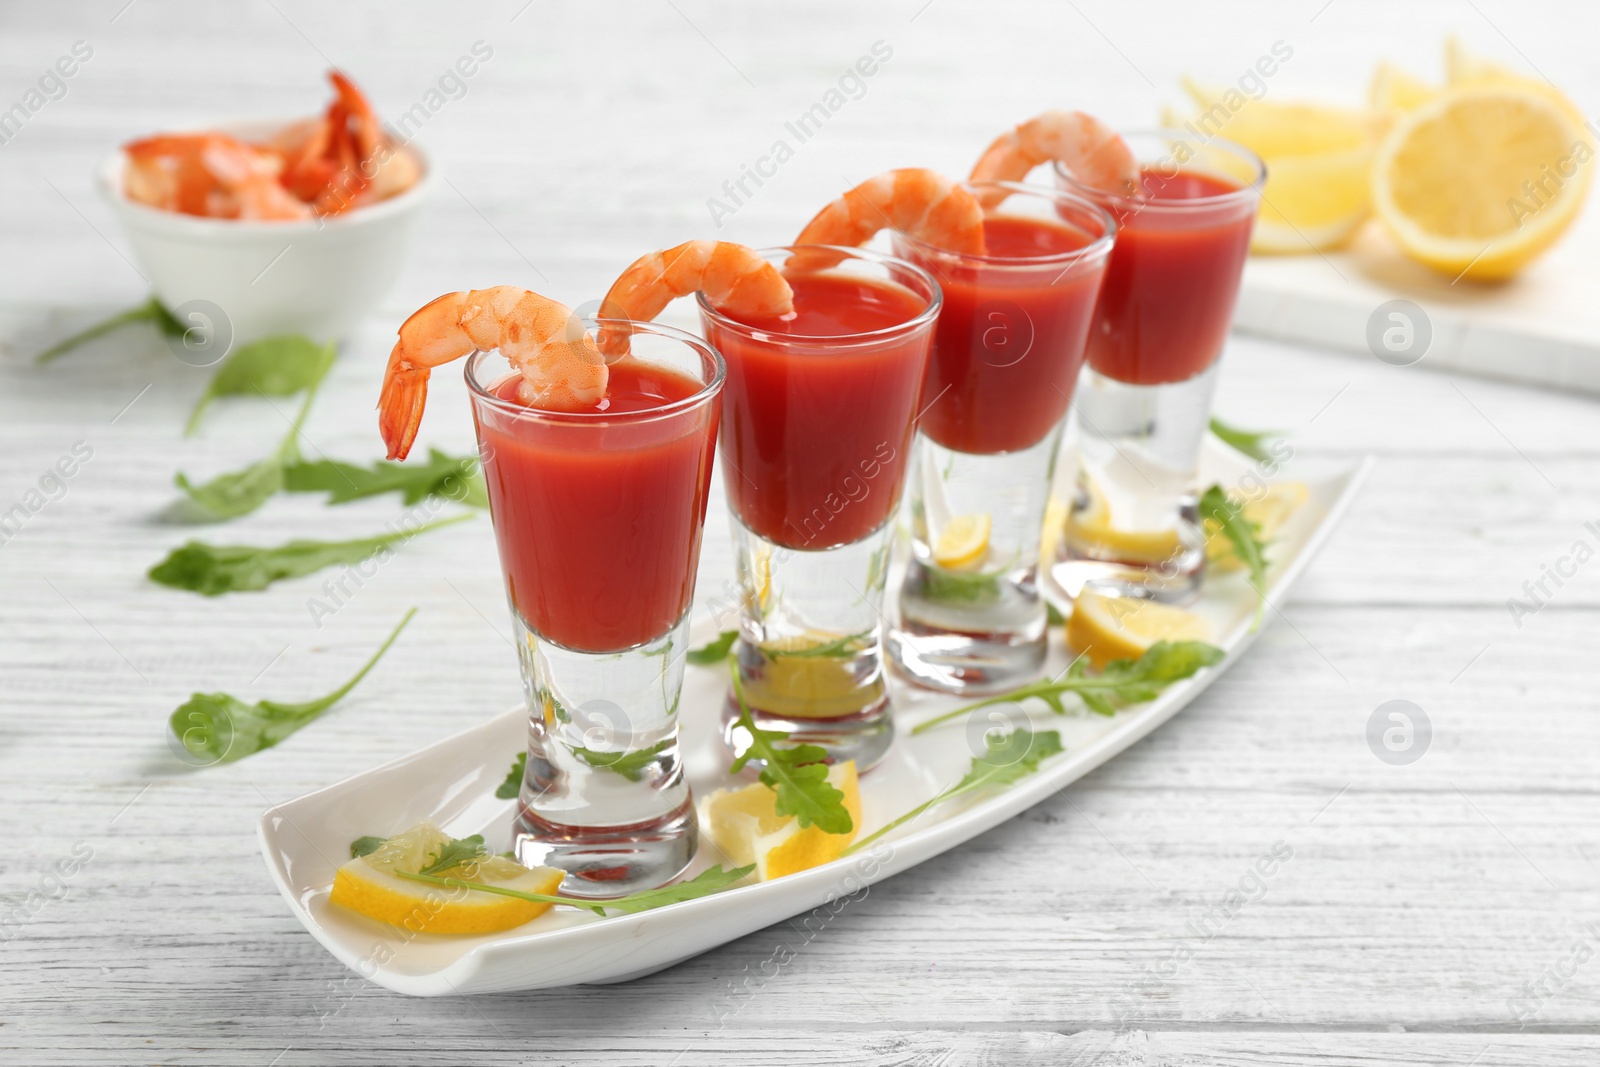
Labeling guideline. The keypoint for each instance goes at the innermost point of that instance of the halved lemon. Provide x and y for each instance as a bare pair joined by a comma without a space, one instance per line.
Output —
1482,180
370,886
963,542
745,826
1105,628
1269,512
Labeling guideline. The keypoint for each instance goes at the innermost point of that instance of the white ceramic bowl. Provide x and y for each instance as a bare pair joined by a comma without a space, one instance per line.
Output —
317,277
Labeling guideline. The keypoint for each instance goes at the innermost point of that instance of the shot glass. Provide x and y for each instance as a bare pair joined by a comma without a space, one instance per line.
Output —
598,517
970,616
1145,398
820,412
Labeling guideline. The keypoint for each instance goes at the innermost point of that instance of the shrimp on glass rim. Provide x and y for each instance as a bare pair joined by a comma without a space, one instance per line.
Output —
560,366
733,277
1087,147
917,202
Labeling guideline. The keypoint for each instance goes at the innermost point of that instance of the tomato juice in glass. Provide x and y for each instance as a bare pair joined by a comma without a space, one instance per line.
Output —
1145,398
599,543
819,414
598,516
1006,358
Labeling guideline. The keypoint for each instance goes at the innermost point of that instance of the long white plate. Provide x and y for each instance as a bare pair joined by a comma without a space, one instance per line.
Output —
453,782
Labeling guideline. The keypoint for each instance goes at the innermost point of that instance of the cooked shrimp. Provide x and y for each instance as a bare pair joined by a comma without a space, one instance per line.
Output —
209,174
321,166
560,366
920,203
733,277
1088,148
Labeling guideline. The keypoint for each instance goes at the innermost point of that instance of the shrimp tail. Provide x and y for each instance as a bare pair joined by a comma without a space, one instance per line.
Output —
405,394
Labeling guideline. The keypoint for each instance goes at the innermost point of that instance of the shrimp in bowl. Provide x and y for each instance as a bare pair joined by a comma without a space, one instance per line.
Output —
311,169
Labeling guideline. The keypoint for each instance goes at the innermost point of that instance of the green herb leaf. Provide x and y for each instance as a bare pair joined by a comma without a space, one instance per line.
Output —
228,496
512,786
1007,758
957,587
444,476
365,846
1228,514
1052,615
711,880
1247,441
631,765
713,651
273,366
797,774
212,570
1123,682
839,648
455,852
218,728
150,311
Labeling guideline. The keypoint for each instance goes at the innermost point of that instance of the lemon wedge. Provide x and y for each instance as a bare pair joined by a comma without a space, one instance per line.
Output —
1269,512
963,542
1318,159
370,886
1482,180
1105,628
746,827
1395,89
1090,527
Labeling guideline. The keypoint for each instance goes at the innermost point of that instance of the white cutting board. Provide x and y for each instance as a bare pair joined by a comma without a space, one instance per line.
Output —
1542,327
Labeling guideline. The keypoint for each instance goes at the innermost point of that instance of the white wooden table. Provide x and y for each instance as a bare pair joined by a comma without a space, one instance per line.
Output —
1420,903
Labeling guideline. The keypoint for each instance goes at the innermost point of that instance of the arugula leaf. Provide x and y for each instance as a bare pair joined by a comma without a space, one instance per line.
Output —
957,587
444,476
1228,514
797,774
1006,759
512,786
228,496
1052,615
212,570
1123,682
1247,441
630,765
455,852
839,648
709,881
365,846
713,651
273,366
219,728
149,311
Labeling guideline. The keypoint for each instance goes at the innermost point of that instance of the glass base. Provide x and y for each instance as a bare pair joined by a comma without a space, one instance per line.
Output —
810,652
1174,578
864,737
609,861
603,793
994,643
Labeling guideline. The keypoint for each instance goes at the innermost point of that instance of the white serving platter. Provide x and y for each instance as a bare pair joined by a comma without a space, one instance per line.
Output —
453,783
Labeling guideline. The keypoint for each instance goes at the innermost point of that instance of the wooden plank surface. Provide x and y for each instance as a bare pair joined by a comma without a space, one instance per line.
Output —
1429,914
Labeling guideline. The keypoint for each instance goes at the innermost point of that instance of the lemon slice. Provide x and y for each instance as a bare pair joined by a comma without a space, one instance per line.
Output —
1269,513
963,542
370,886
746,827
1481,181
1105,628
1090,528
1055,518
